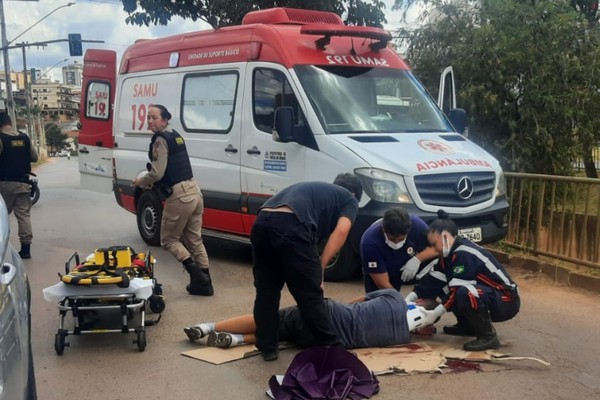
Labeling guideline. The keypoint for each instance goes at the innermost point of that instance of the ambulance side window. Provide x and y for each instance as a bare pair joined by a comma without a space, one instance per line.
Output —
271,89
209,102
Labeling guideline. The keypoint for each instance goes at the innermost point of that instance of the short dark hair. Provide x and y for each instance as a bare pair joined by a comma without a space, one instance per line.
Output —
350,182
164,113
5,119
443,223
396,221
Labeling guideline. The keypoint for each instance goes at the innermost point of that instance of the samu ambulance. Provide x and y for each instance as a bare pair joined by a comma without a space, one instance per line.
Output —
287,96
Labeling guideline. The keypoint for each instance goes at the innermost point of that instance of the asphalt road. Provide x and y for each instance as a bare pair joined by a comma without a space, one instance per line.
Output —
556,324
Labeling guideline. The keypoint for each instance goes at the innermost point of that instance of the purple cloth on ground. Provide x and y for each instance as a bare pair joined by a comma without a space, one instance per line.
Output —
328,373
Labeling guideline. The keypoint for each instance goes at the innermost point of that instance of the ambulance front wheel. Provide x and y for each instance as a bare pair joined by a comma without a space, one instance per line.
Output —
343,265
149,214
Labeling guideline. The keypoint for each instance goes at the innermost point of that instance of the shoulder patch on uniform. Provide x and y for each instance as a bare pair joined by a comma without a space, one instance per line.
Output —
179,140
372,264
459,269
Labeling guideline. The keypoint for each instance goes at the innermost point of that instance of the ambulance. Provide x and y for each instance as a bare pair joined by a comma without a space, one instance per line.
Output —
287,96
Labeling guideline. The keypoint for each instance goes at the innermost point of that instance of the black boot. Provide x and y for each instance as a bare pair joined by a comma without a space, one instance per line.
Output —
25,252
486,334
461,328
200,282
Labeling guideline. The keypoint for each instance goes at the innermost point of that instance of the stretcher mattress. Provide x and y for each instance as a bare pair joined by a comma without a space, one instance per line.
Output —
141,288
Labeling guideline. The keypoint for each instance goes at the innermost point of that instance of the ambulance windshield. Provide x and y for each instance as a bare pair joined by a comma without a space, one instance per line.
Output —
370,100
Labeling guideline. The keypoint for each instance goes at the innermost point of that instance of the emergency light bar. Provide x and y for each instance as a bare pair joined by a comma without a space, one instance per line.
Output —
366,32
291,16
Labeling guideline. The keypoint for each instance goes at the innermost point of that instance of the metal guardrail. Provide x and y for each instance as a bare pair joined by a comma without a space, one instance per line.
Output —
555,216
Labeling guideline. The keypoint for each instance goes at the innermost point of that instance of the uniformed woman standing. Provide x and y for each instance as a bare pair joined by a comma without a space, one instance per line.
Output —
170,172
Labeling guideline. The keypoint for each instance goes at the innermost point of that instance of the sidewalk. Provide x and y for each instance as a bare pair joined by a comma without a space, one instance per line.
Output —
560,274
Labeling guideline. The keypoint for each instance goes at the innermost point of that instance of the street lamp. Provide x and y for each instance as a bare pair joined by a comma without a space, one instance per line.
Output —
6,43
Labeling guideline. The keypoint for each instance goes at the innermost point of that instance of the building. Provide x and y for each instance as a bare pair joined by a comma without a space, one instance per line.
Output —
56,99
73,74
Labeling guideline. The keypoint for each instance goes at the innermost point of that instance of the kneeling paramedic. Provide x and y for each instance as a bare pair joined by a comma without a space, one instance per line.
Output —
471,283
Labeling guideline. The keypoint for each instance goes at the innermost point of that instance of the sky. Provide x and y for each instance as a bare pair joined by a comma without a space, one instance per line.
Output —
102,20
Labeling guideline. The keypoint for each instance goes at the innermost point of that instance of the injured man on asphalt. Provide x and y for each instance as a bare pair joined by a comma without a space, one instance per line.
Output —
377,319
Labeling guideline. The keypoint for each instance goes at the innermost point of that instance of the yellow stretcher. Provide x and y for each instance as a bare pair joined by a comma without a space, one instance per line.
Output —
111,278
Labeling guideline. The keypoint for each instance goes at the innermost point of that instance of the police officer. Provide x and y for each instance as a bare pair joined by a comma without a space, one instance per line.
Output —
170,172
393,249
16,156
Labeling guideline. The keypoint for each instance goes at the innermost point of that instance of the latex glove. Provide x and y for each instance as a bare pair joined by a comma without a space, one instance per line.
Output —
410,269
432,316
411,298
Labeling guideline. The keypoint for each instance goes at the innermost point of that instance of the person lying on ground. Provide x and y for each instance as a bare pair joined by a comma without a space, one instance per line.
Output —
377,319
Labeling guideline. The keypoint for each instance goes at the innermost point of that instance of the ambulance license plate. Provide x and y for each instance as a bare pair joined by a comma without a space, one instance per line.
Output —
473,234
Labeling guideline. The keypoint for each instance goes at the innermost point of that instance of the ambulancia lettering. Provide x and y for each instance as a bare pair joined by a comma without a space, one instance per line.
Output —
449,162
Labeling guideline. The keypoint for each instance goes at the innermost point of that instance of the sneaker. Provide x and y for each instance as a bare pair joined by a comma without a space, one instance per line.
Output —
219,339
194,333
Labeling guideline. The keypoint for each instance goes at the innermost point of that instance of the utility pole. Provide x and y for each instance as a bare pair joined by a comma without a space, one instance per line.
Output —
10,105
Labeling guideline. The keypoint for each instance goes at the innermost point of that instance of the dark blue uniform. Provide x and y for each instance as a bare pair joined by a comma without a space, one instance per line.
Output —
377,257
471,277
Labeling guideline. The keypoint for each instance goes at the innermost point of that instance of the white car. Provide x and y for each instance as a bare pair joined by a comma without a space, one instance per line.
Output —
17,378
64,153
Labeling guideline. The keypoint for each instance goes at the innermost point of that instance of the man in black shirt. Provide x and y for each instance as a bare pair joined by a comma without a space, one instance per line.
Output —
284,239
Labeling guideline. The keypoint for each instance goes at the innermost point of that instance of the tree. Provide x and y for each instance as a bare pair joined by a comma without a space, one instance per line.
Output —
54,136
525,73
219,13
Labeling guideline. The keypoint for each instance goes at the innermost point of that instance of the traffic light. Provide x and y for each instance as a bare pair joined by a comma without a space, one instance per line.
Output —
75,45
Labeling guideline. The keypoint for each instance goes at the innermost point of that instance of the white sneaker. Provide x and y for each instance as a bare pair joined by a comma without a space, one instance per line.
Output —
219,339
194,333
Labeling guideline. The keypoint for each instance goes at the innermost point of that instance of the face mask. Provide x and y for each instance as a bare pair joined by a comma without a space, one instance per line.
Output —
394,246
445,245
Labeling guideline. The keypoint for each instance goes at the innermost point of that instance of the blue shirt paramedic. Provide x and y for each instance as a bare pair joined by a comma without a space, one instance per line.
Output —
393,249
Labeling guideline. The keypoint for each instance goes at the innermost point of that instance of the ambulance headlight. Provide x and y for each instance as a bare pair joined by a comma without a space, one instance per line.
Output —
501,187
383,186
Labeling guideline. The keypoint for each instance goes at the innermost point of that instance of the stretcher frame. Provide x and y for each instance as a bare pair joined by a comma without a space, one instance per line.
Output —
127,304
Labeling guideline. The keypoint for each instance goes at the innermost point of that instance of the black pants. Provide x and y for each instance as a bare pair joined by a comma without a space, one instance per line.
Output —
286,252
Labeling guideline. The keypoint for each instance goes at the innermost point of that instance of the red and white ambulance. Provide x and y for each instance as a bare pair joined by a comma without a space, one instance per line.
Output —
289,95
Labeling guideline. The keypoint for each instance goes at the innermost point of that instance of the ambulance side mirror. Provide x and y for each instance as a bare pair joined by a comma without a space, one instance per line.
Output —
458,119
284,125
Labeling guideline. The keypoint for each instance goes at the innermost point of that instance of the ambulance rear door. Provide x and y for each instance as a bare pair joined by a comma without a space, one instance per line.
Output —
96,119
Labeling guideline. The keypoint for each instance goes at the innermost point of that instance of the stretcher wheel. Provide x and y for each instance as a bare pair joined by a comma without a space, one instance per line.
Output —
141,339
156,304
60,343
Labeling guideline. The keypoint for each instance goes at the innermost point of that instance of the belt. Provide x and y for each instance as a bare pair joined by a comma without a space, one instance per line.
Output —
284,209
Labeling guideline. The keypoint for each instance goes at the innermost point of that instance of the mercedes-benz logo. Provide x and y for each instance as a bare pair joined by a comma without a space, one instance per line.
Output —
464,187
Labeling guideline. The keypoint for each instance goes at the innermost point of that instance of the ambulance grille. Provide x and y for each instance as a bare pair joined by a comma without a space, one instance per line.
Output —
443,189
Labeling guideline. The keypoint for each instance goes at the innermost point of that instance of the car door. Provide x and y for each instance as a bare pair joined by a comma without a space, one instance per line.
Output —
447,91
267,166
96,120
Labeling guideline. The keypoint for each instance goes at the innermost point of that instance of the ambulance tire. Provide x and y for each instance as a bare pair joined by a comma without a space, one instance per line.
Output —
149,214
344,265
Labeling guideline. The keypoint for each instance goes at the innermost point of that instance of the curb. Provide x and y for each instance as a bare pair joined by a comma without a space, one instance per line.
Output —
561,275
